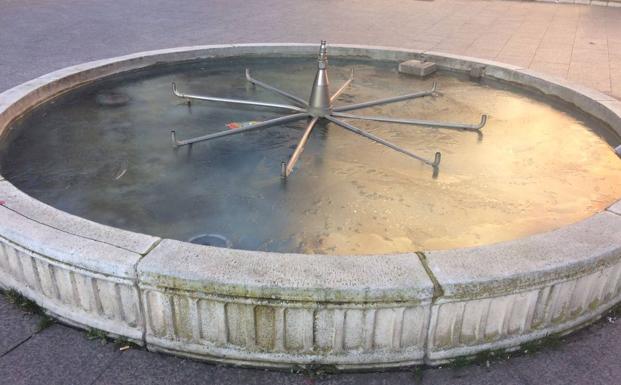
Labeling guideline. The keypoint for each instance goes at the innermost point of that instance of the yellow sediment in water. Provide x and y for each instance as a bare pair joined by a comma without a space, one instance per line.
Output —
536,167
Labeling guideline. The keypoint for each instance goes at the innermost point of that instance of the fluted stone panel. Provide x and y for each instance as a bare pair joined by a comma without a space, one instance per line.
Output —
87,297
468,326
307,332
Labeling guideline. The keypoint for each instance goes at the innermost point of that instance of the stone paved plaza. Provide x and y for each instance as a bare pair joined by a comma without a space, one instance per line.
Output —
579,43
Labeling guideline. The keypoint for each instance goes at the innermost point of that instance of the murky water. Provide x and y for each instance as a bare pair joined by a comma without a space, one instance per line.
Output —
104,152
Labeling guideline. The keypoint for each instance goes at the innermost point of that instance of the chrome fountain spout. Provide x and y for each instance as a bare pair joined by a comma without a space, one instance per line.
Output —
319,102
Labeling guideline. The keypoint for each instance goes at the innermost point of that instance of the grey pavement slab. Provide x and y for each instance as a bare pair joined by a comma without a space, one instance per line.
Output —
381,378
16,326
56,355
481,375
575,41
590,356
136,366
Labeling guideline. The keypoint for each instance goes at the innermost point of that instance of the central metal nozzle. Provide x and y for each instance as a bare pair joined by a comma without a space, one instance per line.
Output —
319,102
323,55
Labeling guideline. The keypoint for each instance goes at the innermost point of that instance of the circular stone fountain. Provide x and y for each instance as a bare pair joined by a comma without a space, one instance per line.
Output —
360,260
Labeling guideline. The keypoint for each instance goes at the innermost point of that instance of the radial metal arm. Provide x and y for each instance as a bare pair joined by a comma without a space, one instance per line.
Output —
393,99
343,87
435,163
235,101
418,122
280,92
286,170
265,124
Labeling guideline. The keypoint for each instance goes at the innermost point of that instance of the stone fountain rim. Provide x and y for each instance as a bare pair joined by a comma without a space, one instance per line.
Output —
148,263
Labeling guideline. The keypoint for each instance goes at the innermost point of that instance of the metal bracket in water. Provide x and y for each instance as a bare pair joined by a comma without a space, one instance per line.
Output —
320,106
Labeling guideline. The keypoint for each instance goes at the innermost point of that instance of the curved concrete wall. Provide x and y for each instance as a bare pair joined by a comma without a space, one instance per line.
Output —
269,309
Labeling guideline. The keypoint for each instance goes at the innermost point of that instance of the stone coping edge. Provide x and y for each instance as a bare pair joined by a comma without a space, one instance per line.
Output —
278,310
599,3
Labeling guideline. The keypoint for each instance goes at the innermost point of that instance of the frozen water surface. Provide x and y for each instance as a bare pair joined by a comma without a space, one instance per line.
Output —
103,152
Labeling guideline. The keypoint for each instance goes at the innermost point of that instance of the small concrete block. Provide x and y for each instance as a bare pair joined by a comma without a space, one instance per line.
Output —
417,68
476,72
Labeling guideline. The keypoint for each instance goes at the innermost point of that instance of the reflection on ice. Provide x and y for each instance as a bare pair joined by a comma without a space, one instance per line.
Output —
535,167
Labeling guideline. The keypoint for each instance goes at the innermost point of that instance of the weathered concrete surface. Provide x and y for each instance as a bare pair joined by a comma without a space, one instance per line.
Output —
30,208
81,280
262,275
506,294
273,309
528,263
43,240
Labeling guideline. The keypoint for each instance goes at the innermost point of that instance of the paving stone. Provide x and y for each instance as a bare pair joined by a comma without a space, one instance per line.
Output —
497,373
382,378
556,69
16,326
555,54
234,376
228,375
592,74
137,366
57,355
517,60
587,357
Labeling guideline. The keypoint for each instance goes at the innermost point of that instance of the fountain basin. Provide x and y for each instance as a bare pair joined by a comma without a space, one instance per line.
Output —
279,310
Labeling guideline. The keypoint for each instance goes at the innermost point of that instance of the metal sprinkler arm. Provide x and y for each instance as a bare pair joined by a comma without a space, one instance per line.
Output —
288,168
393,99
418,122
235,101
274,89
435,163
265,124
